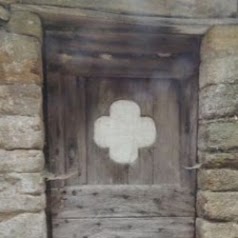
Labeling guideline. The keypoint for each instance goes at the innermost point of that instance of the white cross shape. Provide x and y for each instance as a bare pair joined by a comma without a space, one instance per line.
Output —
124,131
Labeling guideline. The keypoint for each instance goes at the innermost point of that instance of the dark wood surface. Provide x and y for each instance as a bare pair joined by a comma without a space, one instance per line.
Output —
87,71
107,53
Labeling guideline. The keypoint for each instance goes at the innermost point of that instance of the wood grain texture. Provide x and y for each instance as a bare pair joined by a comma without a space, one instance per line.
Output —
55,129
122,54
101,169
166,168
124,228
95,201
188,102
74,129
66,127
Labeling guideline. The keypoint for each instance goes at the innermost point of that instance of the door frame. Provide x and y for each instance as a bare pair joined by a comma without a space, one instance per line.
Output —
215,153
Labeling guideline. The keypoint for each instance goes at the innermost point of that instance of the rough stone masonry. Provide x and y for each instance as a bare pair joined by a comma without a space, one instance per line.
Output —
217,199
22,192
22,189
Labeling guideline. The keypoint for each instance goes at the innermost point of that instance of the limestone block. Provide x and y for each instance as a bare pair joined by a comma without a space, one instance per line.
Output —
25,23
218,206
218,160
17,203
218,135
179,8
206,229
22,183
20,59
218,101
219,70
218,179
27,225
6,2
23,100
216,8
220,41
23,161
19,132
4,14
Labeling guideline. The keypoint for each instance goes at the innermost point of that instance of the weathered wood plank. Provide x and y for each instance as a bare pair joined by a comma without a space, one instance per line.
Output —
95,201
116,41
58,16
188,130
80,111
124,228
167,147
103,92
179,68
95,55
74,129
55,127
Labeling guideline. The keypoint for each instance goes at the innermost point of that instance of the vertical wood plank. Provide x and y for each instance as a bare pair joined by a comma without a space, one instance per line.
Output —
55,130
188,130
82,127
74,127
167,148
141,171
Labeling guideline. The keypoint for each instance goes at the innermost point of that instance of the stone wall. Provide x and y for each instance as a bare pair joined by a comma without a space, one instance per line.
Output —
22,189
217,200
22,192
169,8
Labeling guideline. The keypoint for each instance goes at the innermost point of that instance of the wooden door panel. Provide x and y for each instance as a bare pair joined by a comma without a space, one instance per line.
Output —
133,54
124,228
87,71
101,93
98,201
158,99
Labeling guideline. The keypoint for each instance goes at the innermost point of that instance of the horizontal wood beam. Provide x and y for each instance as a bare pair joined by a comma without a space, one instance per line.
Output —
72,17
124,201
124,227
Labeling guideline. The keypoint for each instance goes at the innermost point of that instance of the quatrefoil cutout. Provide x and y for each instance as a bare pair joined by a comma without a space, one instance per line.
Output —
124,132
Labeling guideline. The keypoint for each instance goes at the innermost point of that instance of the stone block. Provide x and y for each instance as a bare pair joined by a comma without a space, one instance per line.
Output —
218,179
7,2
25,23
19,132
220,70
176,8
216,8
20,59
4,14
218,101
18,203
22,100
218,136
27,225
220,41
206,229
23,161
218,206
218,160
22,183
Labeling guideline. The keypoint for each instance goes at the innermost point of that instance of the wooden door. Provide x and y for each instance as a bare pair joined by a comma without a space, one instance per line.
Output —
89,71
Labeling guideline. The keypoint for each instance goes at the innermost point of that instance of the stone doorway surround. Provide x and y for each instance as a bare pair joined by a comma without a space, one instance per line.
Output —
22,139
